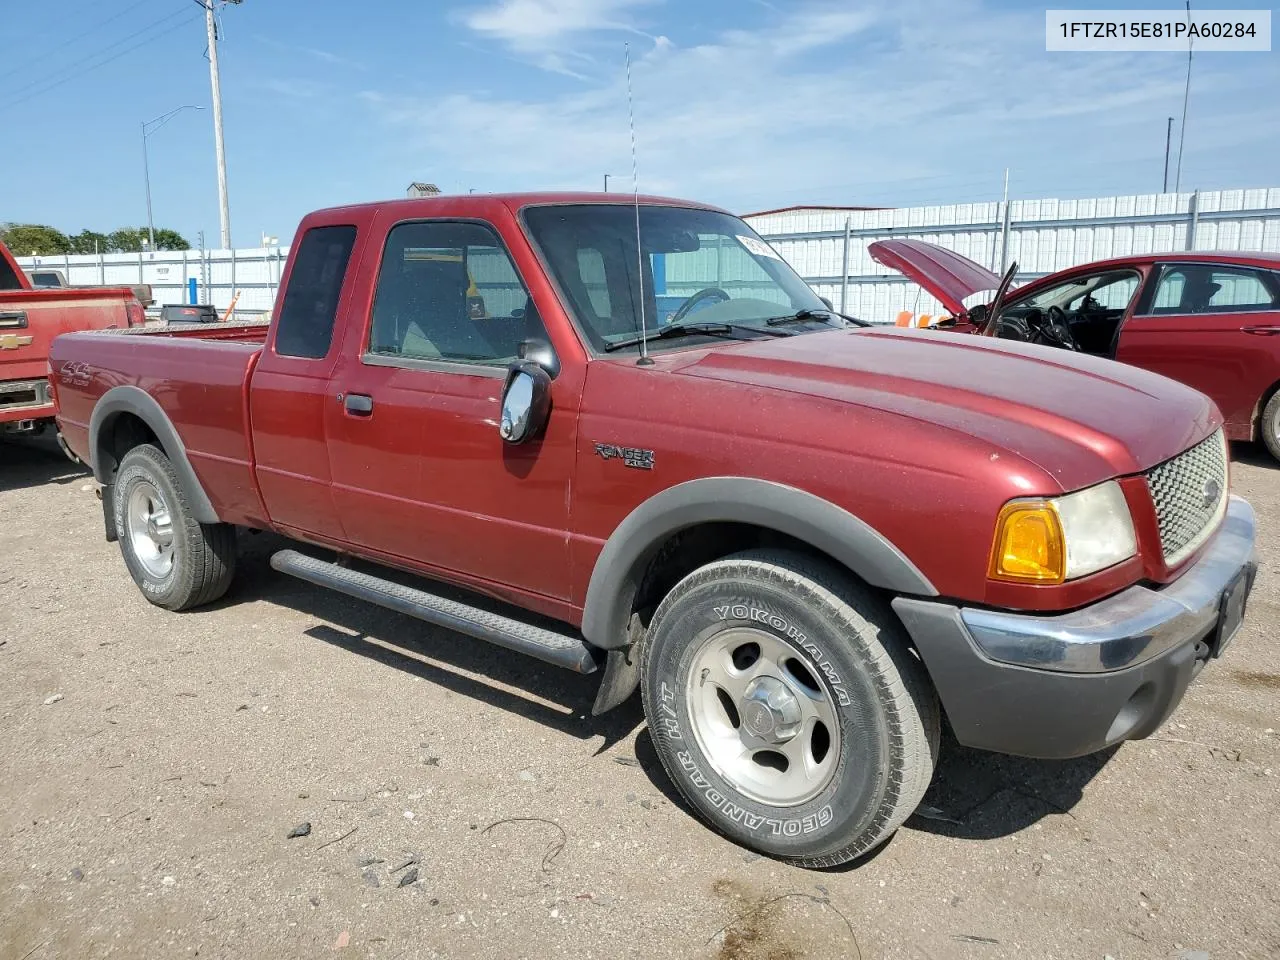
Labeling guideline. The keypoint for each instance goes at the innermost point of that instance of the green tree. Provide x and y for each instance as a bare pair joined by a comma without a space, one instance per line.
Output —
28,239
88,241
126,240
167,239
133,239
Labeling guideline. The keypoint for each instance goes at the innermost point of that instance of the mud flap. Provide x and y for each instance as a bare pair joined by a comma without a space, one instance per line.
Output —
621,679
107,494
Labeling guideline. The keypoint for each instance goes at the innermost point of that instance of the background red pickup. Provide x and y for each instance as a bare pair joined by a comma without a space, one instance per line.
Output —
29,320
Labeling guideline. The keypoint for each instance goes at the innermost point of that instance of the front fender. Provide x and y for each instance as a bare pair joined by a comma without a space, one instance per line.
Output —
761,503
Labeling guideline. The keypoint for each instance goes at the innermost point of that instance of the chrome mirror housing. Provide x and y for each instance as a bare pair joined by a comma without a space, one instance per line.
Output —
526,402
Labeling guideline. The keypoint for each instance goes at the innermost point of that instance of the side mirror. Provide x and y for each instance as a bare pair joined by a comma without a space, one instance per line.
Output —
537,350
526,402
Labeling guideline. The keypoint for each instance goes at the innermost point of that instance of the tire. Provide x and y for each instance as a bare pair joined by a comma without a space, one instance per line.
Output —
820,636
1269,425
201,557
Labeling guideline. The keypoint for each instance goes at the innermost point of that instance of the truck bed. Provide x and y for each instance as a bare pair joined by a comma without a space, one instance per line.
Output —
196,373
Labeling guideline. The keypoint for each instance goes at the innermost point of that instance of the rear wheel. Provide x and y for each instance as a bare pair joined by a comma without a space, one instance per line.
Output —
1269,425
785,705
176,561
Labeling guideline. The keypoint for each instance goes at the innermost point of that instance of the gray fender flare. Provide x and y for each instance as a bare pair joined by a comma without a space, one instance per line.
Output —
130,399
773,506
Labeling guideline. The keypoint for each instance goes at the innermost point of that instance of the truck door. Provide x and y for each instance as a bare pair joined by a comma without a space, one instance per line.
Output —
289,389
1210,326
419,470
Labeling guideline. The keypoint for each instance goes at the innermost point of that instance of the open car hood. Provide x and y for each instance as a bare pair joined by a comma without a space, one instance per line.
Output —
945,274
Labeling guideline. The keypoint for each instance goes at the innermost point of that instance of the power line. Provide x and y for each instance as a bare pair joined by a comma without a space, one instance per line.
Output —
68,42
89,68
40,82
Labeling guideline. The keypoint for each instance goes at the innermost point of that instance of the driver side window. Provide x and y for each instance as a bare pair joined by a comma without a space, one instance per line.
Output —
448,291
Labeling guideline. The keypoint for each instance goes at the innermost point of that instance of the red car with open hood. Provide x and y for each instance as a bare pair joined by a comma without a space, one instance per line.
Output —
1210,320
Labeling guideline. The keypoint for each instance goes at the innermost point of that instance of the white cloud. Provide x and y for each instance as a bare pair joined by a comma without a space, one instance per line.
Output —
925,101
537,25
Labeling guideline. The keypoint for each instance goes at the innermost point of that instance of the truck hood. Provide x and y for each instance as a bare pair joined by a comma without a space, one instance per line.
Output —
945,274
1080,419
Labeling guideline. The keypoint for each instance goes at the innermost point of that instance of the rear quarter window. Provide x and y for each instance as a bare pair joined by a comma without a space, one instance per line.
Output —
8,277
305,327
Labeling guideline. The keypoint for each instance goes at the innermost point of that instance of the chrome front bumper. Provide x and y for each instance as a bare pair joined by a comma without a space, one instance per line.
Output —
1133,626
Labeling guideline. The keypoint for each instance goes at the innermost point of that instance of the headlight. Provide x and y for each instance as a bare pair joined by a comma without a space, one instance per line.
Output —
1049,541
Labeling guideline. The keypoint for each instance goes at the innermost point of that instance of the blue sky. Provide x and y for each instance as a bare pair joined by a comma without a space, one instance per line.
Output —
747,103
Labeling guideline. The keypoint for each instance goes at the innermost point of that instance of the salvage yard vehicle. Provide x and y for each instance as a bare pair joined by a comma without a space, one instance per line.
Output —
29,320
803,541
1210,320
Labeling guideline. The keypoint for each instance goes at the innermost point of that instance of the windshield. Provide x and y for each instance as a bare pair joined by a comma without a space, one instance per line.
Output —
699,267
1107,289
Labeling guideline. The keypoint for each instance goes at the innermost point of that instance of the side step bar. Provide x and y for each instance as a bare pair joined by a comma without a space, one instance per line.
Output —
561,649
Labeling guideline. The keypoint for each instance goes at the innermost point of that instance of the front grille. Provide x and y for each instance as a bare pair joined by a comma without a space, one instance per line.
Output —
1190,495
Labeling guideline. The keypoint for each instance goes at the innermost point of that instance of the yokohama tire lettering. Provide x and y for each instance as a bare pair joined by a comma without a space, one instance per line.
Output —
742,611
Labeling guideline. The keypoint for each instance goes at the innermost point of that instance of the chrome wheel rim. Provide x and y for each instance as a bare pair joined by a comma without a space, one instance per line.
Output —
764,718
150,529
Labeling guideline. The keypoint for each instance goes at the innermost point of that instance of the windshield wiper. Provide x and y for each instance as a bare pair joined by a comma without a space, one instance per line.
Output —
704,328
822,315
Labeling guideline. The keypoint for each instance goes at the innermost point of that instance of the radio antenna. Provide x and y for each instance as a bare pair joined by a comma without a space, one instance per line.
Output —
644,360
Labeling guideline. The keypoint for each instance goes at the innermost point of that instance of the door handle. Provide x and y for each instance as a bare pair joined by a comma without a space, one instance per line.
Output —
14,320
1263,330
358,405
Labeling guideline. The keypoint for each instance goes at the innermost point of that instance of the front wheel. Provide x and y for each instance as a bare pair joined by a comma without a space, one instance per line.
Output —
176,561
785,705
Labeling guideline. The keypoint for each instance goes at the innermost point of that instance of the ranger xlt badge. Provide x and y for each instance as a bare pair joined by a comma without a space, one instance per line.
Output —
631,456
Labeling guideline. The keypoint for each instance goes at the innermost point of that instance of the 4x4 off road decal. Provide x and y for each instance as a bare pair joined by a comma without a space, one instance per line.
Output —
743,611
752,821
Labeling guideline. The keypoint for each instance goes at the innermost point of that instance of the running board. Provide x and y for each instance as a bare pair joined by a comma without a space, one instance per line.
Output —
561,649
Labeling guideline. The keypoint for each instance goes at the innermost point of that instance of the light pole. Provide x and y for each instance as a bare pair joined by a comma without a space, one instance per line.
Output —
148,128
606,182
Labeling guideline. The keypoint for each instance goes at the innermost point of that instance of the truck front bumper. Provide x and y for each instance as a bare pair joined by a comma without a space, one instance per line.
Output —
1071,684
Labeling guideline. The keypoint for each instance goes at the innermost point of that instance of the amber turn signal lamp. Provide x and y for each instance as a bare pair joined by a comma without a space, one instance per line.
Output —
1029,545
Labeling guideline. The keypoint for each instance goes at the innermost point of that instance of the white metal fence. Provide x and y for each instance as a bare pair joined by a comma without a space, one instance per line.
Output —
219,274
1041,235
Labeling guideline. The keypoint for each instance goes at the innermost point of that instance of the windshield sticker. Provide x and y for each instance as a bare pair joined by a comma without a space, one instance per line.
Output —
758,247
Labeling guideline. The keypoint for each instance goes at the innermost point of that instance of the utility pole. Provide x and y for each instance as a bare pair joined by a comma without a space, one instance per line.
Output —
1004,227
224,206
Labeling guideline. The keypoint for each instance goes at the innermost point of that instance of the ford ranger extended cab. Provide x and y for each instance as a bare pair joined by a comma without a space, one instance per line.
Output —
29,320
804,540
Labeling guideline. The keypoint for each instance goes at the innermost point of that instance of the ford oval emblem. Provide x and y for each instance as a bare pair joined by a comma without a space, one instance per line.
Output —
1212,490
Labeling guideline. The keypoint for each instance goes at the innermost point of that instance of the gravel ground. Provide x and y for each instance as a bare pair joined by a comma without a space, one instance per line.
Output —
152,764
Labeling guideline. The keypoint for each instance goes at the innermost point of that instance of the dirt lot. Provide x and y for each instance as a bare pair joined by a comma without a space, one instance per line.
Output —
151,765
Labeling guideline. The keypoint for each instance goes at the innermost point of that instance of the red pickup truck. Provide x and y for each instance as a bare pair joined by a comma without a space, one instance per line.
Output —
29,320
804,540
